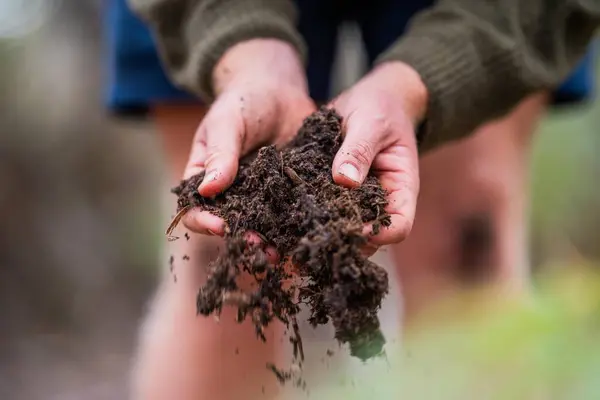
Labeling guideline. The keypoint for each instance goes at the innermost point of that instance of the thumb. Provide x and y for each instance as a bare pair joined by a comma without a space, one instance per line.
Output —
223,146
354,158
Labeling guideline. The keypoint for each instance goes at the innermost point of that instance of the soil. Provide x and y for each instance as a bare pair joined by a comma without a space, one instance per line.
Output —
288,196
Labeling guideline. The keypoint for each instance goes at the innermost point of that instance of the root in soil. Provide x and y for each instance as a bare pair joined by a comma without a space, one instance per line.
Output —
288,196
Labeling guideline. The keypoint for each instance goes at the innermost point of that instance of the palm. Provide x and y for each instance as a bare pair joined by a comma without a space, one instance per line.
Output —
396,169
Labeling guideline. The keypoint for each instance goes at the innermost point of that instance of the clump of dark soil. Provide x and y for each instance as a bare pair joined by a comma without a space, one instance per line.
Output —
288,196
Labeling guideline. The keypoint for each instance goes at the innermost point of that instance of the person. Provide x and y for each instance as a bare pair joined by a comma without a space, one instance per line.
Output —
445,118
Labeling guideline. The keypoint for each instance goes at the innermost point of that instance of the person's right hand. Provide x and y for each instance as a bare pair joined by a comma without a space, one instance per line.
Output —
262,98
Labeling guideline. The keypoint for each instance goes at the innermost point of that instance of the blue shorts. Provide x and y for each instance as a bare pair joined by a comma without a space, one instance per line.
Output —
136,79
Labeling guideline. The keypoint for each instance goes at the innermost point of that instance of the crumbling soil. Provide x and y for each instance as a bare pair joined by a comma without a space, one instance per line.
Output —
288,196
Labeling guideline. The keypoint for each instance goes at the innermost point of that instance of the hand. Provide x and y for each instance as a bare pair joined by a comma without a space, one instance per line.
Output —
262,98
380,114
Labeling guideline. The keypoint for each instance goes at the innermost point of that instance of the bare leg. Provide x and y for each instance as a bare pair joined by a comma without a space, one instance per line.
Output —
470,228
183,356
471,221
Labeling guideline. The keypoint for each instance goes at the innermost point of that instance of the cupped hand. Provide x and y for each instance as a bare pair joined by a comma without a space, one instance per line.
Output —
262,98
381,113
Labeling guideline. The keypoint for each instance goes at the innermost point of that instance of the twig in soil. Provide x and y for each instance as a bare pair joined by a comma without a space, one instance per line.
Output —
290,173
175,222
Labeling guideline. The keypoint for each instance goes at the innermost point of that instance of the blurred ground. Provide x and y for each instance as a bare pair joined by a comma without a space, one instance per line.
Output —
79,204
76,201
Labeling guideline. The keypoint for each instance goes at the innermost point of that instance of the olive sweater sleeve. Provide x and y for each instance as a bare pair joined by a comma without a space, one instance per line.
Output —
478,58
192,35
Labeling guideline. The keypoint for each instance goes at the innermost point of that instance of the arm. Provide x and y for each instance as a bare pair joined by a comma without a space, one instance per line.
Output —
479,58
193,35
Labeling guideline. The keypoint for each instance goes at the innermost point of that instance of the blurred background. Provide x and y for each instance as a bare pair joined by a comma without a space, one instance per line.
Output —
80,238
80,232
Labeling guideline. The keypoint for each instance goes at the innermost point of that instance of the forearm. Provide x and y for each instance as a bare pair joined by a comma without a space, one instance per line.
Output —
192,36
478,59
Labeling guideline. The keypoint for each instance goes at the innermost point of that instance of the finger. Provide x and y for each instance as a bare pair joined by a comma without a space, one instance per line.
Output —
362,142
368,250
203,222
398,172
197,157
272,255
396,232
224,131
271,252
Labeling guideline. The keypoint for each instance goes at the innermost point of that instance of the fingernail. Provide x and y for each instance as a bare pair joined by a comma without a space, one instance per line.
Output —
211,233
350,172
210,176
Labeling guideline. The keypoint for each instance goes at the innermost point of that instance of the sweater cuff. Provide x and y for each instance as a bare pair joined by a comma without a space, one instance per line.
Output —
209,40
459,80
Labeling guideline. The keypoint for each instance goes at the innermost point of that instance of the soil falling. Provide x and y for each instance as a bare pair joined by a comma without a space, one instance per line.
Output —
289,198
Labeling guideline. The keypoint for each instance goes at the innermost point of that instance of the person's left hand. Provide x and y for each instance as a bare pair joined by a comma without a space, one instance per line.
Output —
380,115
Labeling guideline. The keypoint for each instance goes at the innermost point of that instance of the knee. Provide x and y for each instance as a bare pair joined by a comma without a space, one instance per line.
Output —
166,348
146,369
476,243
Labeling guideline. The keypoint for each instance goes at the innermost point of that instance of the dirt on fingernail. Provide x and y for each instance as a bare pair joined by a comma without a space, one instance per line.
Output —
288,196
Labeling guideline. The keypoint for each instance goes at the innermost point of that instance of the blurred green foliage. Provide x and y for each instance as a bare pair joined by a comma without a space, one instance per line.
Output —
565,195
542,346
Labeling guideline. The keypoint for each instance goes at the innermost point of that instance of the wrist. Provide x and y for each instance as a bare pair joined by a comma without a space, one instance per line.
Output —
405,82
259,60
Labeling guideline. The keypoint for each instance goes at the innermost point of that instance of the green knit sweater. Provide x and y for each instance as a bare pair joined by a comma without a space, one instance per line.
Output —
478,58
